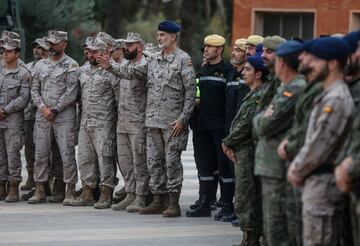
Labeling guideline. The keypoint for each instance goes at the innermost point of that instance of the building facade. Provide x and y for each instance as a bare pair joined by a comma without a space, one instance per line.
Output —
294,18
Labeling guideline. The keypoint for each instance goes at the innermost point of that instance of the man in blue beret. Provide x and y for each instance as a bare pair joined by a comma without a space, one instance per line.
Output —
170,101
313,167
295,139
240,148
271,126
348,172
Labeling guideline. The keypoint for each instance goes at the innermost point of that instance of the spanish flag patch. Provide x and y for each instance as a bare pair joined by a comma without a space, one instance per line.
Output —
287,94
327,109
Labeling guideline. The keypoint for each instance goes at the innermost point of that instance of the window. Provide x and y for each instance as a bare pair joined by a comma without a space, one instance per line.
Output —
354,21
285,24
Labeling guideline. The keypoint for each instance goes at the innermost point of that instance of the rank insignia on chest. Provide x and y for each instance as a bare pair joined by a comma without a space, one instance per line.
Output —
287,94
327,109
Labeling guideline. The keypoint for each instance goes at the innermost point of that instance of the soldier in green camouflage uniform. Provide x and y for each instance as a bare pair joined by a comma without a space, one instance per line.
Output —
271,126
295,139
247,186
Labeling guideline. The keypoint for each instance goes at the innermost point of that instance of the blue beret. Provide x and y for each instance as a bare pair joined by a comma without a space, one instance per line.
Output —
330,48
259,48
308,44
352,39
169,26
257,62
288,47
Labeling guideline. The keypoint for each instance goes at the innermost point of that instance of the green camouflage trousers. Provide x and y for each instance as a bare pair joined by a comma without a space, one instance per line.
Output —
247,191
274,211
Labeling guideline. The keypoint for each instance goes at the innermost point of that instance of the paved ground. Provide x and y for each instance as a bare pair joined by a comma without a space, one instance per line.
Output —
54,224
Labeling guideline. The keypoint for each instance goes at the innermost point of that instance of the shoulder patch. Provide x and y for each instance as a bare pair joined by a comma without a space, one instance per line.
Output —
327,109
287,94
189,63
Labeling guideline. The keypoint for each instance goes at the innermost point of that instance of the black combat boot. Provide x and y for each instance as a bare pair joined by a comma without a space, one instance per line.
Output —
203,210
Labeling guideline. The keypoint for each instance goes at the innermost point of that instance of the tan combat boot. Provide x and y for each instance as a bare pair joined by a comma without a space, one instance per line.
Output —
157,206
137,204
58,193
39,196
105,197
119,195
124,203
70,194
2,190
29,182
174,209
13,194
85,199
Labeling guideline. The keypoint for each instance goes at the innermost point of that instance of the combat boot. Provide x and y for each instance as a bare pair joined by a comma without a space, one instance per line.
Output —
157,206
39,195
85,199
13,194
27,196
203,209
2,190
121,192
105,197
70,194
250,238
130,198
137,204
29,182
58,194
174,208
226,212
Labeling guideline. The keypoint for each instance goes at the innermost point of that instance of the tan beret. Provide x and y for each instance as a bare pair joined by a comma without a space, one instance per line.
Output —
241,44
273,42
254,40
214,40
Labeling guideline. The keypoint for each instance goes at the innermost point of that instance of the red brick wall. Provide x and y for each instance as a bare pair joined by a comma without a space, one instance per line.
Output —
331,16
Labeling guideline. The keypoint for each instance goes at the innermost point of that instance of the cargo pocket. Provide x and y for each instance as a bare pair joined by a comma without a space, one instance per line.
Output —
18,141
180,142
140,144
108,148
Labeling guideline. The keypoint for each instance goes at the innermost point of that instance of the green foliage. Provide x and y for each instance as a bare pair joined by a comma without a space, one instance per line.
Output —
76,17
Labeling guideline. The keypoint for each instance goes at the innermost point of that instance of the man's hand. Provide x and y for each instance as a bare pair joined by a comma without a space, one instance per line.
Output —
177,128
2,114
269,112
295,181
342,177
104,61
49,116
229,152
281,149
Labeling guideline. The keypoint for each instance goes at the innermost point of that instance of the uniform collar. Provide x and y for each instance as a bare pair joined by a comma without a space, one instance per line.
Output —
168,58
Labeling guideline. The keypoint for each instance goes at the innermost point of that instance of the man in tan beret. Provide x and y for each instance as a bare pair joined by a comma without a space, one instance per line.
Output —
251,42
211,162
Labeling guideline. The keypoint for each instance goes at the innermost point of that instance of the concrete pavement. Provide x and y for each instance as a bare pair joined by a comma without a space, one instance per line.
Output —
54,224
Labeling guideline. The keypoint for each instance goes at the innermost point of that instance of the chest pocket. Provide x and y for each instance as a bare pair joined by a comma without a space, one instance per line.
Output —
172,77
13,90
59,76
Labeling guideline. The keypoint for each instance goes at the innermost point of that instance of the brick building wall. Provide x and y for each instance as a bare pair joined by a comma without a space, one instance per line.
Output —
329,16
